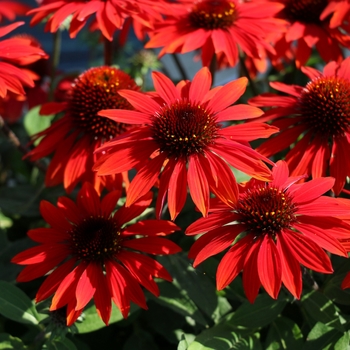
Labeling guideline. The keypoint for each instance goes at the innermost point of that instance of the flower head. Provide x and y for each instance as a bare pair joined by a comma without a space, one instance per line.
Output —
217,27
92,253
272,229
316,118
309,30
182,126
75,136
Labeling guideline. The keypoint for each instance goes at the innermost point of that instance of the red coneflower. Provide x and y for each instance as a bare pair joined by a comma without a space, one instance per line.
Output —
217,27
12,51
110,14
315,119
182,126
74,138
274,227
308,29
91,253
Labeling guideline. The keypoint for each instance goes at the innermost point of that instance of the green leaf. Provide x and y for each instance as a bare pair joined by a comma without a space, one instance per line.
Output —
60,344
92,322
198,286
325,338
15,305
34,122
179,301
8,342
284,334
183,343
261,313
224,336
321,309
23,200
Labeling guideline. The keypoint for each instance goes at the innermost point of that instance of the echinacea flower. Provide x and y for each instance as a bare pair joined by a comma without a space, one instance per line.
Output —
272,229
109,14
12,51
91,253
309,30
217,27
183,140
314,123
74,138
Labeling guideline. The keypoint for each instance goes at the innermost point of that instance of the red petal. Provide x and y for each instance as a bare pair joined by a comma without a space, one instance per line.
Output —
151,228
177,188
47,235
251,280
269,267
88,200
54,216
52,282
312,189
324,206
291,272
165,88
125,116
198,184
306,251
140,101
280,174
211,222
239,112
321,238
85,289
145,179
213,242
70,210
109,203
66,290
232,262
153,245
200,85
228,94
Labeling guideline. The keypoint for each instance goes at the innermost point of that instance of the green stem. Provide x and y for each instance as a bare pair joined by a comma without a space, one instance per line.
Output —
180,67
10,135
246,73
55,60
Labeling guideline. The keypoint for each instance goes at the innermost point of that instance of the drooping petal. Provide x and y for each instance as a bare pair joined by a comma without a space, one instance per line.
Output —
306,251
269,267
232,262
198,184
213,242
291,272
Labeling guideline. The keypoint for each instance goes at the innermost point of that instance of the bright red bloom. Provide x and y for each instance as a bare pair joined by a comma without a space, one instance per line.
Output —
74,138
92,254
182,126
308,30
110,14
12,52
217,27
316,118
11,9
274,228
